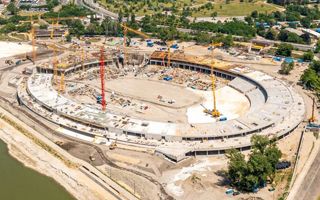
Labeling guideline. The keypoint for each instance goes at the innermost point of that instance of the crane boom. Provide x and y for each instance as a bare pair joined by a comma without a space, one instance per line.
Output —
125,31
134,31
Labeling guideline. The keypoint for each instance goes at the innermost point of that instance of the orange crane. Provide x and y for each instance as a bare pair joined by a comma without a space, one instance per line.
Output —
214,112
313,118
55,63
62,86
169,44
125,31
52,31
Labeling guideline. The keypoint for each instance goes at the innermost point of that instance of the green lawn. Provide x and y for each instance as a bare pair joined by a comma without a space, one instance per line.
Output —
5,37
237,9
234,8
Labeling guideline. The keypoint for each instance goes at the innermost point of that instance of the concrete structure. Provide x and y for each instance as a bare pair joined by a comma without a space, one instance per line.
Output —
275,110
301,47
311,32
293,30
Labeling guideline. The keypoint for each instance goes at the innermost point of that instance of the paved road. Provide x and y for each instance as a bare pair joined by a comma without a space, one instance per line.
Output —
97,9
310,187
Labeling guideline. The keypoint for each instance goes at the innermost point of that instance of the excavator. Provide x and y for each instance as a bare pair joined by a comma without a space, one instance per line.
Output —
113,145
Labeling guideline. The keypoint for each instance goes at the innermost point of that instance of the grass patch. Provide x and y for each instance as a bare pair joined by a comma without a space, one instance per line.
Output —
21,36
5,37
237,9
234,8
40,143
30,13
284,176
94,39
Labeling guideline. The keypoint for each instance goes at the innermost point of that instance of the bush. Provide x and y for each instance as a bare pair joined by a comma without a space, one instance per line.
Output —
286,68
284,49
308,56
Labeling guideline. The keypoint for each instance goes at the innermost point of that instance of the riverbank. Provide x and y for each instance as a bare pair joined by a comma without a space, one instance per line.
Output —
32,155
20,182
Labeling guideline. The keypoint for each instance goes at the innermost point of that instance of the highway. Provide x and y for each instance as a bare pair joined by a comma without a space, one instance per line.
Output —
89,4
310,187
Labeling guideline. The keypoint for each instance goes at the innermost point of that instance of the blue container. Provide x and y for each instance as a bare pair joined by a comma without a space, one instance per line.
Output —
300,60
278,59
288,60
167,78
223,118
175,46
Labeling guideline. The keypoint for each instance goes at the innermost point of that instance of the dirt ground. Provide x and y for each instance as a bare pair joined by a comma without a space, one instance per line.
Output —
144,94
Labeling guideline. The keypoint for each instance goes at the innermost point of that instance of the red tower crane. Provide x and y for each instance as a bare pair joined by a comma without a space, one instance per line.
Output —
103,98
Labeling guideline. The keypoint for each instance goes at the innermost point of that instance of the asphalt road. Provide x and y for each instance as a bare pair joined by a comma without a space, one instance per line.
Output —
310,187
96,8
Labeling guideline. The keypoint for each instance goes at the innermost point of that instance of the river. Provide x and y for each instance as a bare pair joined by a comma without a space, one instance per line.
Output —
18,182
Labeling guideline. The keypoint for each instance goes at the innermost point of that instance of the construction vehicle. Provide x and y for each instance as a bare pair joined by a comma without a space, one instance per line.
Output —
214,45
174,46
113,145
99,99
150,43
9,62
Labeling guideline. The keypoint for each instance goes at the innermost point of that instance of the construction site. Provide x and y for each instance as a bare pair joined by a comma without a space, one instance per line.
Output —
179,104
152,107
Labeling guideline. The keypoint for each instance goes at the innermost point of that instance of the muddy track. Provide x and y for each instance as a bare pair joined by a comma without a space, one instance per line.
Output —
5,104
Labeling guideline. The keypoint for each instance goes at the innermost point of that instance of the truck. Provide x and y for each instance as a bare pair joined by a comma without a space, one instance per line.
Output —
99,99
150,43
175,46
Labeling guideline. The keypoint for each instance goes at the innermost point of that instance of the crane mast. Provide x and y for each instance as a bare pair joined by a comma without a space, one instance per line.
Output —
215,112
103,100
313,118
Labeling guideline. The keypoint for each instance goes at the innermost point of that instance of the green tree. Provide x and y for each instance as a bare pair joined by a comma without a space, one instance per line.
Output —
259,143
308,56
317,50
271,34
254,14
68,38
237,167
120,16
286,68
310,79
284,49
12,8
260,167
306,22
